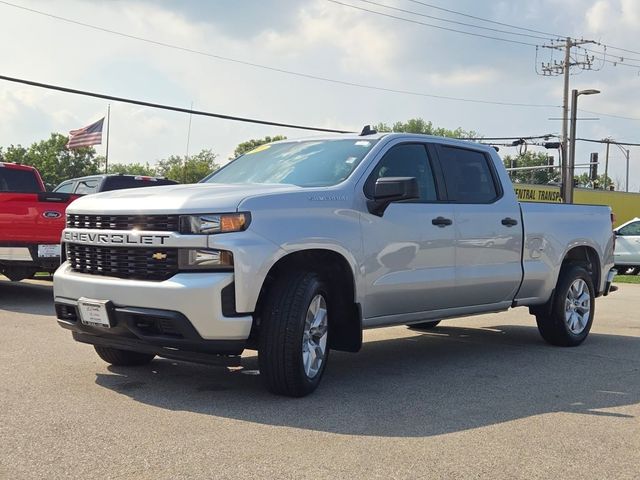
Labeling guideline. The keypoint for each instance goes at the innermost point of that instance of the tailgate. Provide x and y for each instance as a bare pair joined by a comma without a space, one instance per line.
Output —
32,218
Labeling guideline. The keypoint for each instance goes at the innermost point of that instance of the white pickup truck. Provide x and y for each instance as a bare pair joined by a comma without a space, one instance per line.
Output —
296,247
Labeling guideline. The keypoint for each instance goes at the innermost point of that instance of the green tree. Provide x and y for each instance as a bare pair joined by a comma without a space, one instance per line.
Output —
249,145
531,159
418,125
584,180
53,160
133,169
193,170
13,154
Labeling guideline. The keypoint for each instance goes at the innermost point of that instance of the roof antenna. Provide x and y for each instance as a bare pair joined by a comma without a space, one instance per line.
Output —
367,130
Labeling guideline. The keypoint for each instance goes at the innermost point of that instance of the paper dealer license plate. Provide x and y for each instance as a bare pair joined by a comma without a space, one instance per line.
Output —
48,251
94,312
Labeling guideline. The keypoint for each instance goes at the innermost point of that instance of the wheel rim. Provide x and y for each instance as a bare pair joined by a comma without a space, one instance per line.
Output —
314,338
577,309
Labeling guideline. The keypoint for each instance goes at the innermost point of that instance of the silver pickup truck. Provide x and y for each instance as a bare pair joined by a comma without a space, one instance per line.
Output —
296,247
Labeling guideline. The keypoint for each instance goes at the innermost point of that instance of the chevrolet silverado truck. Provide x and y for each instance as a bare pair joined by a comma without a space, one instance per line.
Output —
297,246
31,222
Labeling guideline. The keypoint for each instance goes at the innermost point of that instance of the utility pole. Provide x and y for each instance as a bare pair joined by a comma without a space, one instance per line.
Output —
606,164
626,184
564,68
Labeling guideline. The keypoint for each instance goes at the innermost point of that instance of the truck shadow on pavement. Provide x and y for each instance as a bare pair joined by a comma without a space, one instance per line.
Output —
32,297
448,380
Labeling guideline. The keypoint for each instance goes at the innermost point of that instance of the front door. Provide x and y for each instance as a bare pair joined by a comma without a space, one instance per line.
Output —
628,244
409,263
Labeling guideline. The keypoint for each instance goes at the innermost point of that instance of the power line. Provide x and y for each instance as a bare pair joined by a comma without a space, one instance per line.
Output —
485,19
591,140
167,107
417,22
557,35
618,61
612,115
497,30
275,69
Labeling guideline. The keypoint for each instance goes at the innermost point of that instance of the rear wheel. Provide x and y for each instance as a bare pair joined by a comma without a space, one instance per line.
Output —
124,358
293,346
568,320
424,325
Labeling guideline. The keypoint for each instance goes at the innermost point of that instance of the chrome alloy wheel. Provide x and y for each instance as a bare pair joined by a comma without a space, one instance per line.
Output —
577,306
314,337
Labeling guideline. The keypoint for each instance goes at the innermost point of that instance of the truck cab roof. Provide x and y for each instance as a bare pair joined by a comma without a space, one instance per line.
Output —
107,182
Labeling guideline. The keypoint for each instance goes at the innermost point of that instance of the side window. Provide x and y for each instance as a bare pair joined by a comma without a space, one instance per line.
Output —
406,160
87,186
65,188
631,229
467,175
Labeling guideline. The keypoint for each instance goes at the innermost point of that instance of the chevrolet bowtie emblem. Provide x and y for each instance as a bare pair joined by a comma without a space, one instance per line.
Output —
159,256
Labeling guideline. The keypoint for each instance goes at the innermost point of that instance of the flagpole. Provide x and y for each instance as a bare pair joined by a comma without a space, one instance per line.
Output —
106,156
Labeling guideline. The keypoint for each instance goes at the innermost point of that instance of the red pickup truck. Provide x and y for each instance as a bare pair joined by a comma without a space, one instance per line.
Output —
31,222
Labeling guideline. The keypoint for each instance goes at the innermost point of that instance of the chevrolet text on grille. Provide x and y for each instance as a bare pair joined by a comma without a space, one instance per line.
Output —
115,238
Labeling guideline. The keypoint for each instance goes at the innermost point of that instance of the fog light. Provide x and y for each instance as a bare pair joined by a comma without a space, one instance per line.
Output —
204,259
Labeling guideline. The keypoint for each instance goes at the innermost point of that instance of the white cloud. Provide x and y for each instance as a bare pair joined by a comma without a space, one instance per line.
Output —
315,37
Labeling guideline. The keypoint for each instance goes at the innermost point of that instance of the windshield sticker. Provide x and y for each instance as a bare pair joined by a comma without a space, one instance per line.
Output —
363,143
258,149
350,160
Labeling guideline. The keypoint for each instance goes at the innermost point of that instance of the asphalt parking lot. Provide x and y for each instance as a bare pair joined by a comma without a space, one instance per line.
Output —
476,397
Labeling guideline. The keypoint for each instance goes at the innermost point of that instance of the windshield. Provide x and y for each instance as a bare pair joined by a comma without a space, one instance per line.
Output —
316,163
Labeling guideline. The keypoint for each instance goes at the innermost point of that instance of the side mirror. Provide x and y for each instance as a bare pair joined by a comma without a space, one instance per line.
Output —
392,189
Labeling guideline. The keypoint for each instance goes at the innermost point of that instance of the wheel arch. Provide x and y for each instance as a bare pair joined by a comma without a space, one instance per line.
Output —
587,257
345,326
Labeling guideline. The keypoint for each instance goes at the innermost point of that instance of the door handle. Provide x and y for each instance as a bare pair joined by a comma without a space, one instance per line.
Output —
509,222
441,222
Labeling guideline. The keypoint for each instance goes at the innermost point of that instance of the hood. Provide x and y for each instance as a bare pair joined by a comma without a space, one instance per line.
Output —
192,198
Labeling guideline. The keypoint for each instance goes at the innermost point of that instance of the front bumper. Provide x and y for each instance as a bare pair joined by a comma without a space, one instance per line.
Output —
189,305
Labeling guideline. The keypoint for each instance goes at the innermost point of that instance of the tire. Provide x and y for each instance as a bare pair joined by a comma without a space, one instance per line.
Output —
568,320
294,330
424,325
123,358
627,270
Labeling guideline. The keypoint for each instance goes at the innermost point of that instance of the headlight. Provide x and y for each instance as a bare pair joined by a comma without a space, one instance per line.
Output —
209,223
204,259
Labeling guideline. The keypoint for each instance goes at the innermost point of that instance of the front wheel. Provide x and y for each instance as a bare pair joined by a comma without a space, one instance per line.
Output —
293,347
570,317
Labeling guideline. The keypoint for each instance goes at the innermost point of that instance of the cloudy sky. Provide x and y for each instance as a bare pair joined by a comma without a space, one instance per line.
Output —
312,37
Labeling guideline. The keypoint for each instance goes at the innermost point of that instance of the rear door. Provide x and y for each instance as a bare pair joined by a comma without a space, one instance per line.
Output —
409,264
488,228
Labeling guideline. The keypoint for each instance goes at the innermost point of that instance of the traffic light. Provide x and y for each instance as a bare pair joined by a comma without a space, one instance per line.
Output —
593,168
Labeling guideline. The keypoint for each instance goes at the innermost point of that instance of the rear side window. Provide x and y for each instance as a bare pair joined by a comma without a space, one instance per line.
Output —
15,180
406,160
467,175
631,229
86,187
120,183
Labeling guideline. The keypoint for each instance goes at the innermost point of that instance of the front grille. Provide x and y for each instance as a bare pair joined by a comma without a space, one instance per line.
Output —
122,262
158,223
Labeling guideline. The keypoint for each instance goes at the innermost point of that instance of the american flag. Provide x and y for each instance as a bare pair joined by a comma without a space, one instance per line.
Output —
86,136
